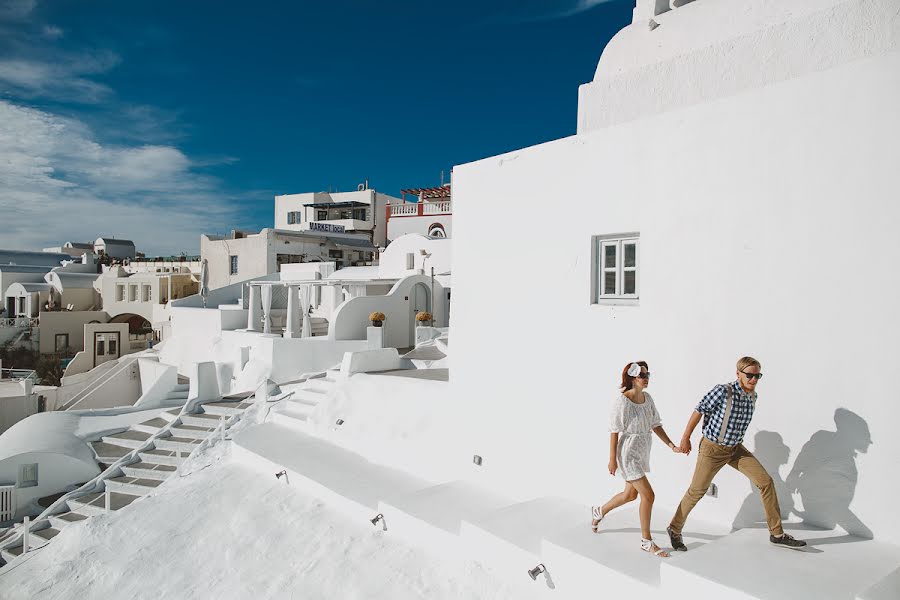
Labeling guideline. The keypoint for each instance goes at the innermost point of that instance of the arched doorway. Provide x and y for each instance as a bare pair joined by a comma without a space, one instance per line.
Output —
420,300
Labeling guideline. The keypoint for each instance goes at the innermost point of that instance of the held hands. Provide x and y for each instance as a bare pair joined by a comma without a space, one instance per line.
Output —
613,466
685,446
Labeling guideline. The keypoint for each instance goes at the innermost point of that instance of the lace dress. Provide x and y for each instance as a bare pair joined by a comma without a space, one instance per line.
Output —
634,423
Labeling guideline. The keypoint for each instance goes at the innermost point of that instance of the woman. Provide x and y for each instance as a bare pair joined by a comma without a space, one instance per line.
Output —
633,418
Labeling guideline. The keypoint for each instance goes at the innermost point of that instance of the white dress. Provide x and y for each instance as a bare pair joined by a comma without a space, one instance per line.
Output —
634,423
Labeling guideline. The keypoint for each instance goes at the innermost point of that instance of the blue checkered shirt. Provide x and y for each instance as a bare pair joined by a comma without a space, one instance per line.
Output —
712,407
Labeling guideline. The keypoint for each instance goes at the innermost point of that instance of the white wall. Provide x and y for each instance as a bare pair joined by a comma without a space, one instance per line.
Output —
119,385
56,472
350,320
14,404
402,225
72,324
768,226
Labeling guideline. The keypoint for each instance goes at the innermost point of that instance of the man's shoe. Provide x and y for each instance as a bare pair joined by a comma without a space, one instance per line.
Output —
786,541
676,541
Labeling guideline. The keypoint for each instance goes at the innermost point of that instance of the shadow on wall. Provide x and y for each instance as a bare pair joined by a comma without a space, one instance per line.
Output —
824,475
771,451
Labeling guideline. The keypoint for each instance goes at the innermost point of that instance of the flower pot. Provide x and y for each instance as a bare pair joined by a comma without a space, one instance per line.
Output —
376,323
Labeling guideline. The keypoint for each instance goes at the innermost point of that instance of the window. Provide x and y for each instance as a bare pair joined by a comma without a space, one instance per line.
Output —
321,215
437,230
359,214
61,342
145,292
132,292
28,475
120,292
615,269
112,347
335,254
293,218
101,347
234,265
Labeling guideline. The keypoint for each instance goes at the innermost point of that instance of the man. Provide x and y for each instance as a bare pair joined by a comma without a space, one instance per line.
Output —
726,411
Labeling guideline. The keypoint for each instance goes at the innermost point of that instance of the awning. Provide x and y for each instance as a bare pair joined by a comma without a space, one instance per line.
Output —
351,204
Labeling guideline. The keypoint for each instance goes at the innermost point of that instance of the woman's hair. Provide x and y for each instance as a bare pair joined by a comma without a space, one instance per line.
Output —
628,380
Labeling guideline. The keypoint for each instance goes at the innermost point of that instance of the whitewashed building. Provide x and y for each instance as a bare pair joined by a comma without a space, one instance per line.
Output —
732,174
359,212
114,248
431,213
243,256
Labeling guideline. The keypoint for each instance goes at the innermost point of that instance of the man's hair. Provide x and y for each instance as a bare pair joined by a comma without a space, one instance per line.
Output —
747,361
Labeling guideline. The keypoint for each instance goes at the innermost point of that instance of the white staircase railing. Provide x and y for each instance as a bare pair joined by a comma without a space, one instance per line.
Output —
7,502
97,383
20,322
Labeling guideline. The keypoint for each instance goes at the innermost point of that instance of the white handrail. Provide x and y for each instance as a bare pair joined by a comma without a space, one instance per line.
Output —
97,383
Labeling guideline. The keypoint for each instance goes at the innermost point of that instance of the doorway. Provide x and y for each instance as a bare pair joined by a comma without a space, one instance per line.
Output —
421,302
106,346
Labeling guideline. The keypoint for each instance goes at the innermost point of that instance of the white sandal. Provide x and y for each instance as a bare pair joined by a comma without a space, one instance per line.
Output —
649,545
596,517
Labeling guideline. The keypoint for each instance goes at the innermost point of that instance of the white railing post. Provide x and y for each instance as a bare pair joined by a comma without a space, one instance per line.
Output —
107,500
26,524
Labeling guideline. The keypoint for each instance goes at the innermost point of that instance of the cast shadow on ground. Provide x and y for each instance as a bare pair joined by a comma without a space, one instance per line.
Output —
824,474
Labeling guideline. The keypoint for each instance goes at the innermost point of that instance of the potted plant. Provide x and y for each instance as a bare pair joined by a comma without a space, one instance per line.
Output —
377,318
424,318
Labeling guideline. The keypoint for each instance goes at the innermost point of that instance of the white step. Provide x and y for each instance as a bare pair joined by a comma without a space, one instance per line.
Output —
63,520
508,540
433,516
308,396
11,554
888,588
145,470
163,457
186,445
578,558
291,420
192,431
170,415
201,420
152,426
320,384
225,408
834,565
337,476
127,439
95,504
132,485
298,409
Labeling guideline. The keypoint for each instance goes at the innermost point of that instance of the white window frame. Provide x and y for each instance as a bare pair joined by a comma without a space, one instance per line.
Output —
120,292
599,294
132,292
28,475
233,264
146,292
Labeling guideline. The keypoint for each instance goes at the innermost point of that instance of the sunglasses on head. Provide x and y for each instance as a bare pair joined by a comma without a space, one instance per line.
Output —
752,376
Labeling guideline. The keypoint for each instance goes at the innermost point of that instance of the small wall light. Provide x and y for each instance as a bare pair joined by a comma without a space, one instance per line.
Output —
281,474
339,422
477,460
379,517
533,573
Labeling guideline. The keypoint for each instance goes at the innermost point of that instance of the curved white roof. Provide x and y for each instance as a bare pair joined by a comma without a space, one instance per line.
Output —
113,242
30,288
49,433
70,281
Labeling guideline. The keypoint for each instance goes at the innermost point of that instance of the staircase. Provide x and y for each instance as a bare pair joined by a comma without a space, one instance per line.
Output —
147,471
296,412
510,538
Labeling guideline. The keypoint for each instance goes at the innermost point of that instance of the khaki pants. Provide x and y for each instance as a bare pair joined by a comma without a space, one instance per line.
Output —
712,457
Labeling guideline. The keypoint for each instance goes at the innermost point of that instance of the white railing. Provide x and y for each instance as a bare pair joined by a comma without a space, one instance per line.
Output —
20,322
7,502
19,375
436,208
407,208
95,385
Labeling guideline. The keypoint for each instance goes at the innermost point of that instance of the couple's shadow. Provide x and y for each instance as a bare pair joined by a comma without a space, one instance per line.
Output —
824,475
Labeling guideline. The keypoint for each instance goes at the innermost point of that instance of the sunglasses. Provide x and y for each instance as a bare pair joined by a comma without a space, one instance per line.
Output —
643,375
752,376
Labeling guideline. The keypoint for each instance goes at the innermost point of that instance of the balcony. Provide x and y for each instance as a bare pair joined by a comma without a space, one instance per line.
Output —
418,209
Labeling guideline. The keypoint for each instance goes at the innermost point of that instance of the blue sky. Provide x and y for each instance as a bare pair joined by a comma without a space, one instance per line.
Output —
158,120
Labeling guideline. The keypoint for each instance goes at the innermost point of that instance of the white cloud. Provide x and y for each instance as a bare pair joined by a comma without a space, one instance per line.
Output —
63,79
15,10
52,31
58,183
